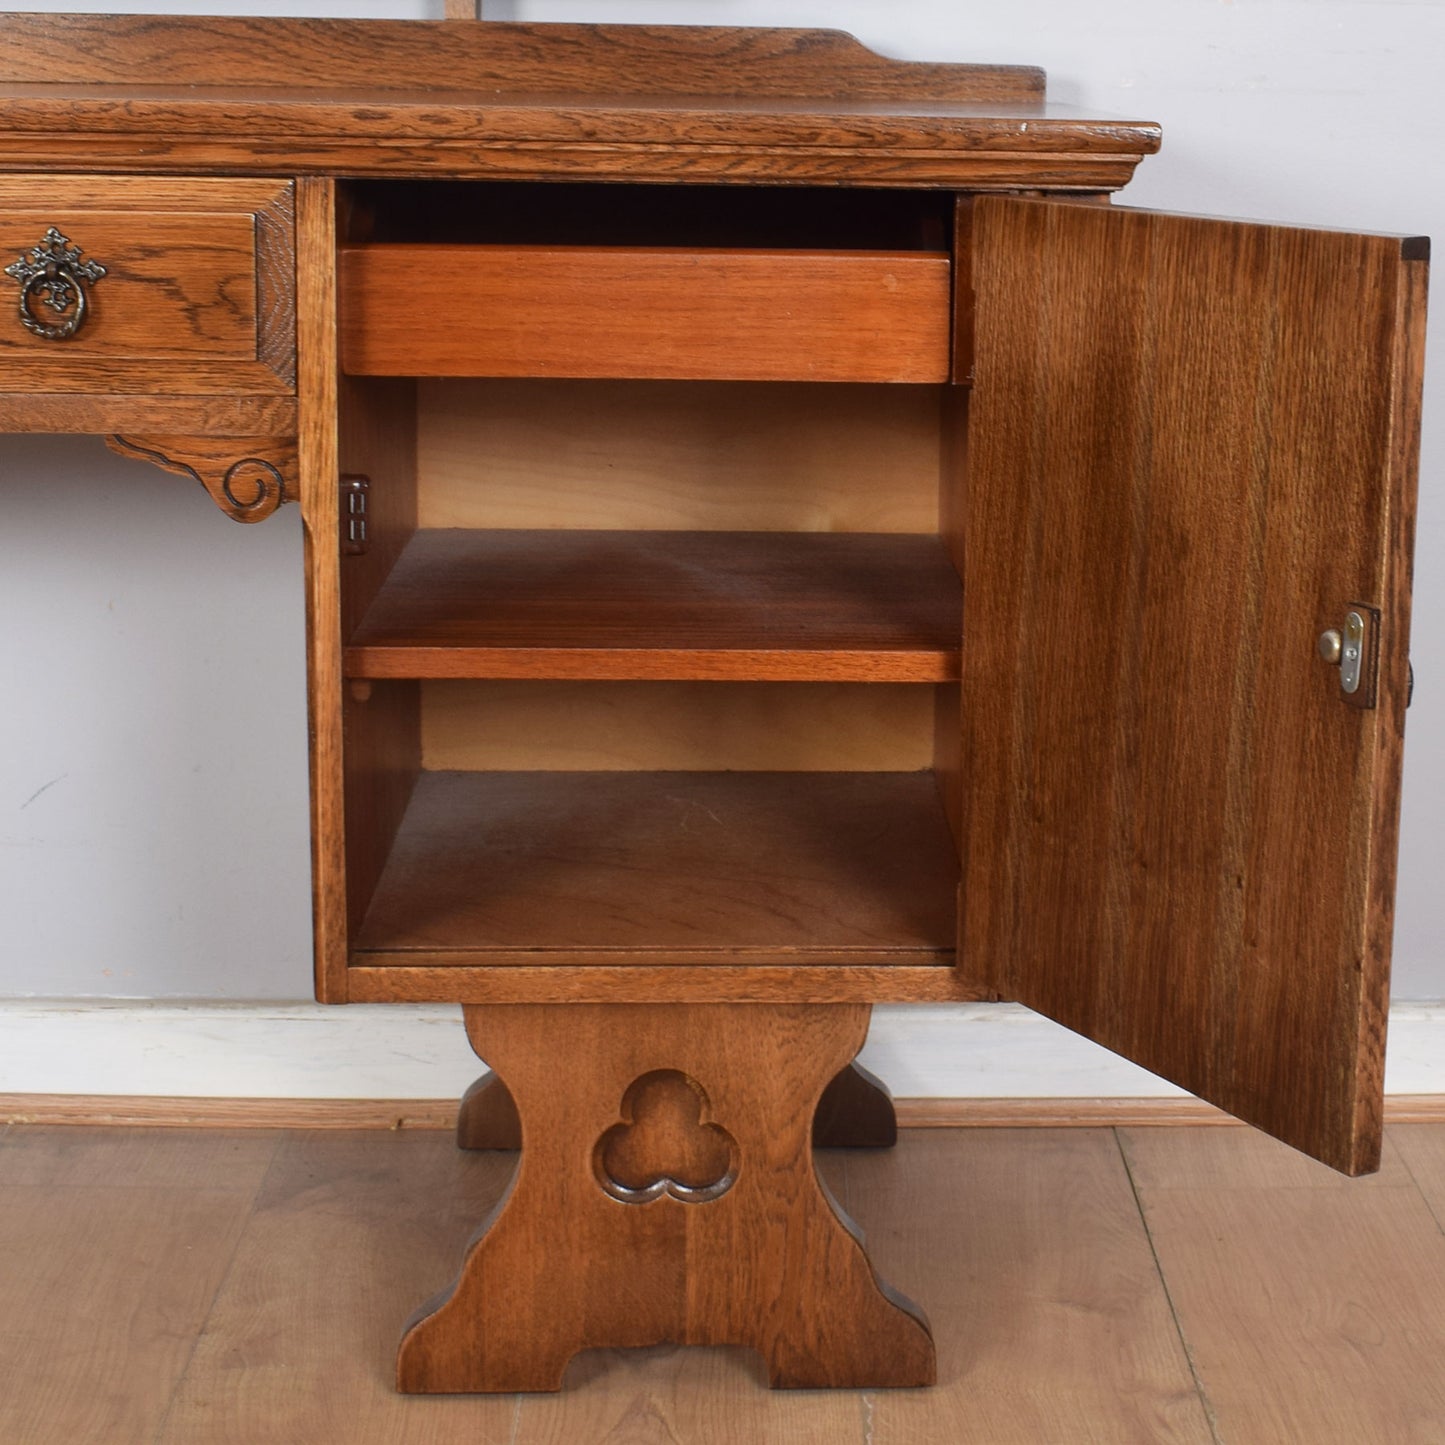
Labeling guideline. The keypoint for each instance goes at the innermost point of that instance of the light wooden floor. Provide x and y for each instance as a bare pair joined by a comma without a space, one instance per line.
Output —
1085,1285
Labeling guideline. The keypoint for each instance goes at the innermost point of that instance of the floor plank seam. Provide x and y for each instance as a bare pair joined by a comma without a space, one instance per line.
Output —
1210,1418
1404,1158
516,1420
221,1284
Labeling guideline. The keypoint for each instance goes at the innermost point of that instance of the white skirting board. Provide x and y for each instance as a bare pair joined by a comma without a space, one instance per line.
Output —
402,1051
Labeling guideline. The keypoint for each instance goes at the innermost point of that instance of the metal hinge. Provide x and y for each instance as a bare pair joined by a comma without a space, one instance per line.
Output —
355,499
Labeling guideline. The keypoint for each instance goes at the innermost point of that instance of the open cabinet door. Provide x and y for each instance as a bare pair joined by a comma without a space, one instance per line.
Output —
1192,452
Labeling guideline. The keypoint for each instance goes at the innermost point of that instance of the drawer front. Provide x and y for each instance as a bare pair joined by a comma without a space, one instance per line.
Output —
136,285
658,313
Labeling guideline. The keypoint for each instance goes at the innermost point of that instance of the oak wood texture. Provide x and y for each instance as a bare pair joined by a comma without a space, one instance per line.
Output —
194,1112
667,1393
300,1342
662,313
487,1116
636,102
1422,1150
676,726
854,1112
198,294
382,735
382,731
101,412
1334,1285
319,463
761,1256
1178,841
125,1111
615,868
669,606
678,456
687,976
248,478
1028,1250
99,1317
1043,1302
949,766
687,61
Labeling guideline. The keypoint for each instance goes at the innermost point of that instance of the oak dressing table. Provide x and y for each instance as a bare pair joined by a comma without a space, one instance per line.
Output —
777,540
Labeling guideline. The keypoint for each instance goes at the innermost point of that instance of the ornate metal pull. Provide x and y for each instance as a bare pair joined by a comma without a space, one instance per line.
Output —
52,274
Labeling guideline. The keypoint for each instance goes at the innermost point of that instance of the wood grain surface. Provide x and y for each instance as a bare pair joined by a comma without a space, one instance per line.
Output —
666,606
602,1241
115,1246
382,730
687,975
1422,1151
827,727
659,312
1190,452
646,103
100,412
300,1343
248,478
197,295
1029,1252
156,50
319,465
854,1112
1310,1304
1405,1113
679,456
1306,1299
540,868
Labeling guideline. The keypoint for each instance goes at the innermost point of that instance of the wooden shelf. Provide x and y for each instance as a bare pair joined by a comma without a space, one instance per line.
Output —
574,868
747,606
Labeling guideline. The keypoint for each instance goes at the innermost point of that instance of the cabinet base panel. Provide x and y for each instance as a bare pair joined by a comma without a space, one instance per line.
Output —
396,981
667,1194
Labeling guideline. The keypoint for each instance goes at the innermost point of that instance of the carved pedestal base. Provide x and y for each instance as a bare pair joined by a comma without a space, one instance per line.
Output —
666,1193
855,1112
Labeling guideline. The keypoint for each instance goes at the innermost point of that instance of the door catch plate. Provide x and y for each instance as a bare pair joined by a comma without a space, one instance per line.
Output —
1351,648
355,515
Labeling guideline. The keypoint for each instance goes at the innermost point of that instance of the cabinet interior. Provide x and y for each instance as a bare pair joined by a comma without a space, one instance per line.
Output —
645,670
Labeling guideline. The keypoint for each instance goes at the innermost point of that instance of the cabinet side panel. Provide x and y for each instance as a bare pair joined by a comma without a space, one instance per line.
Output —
382,737
377,420
381,723
316,386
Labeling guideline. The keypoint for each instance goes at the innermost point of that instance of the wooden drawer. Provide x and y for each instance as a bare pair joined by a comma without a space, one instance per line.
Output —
197,294
645,312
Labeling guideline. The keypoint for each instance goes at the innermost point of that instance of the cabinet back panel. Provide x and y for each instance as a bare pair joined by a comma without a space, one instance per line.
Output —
623,726
709,456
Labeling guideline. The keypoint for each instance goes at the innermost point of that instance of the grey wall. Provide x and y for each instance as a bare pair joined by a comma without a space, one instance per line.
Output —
152,734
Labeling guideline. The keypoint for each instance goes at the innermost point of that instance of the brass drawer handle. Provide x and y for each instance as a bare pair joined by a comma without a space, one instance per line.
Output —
53,275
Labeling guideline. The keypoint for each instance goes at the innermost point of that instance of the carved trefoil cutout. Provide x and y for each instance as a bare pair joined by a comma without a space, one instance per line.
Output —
666,1144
